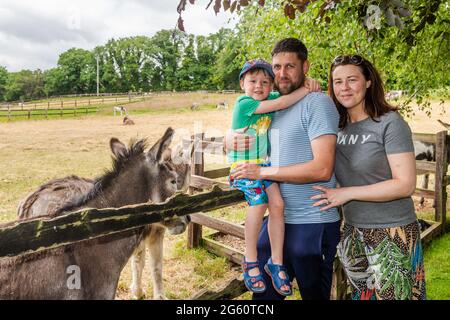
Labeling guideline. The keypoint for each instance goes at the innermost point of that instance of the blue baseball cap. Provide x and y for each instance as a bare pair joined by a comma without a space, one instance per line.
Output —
257,64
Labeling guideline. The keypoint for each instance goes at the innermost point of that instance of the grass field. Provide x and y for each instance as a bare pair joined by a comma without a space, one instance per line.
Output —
35,151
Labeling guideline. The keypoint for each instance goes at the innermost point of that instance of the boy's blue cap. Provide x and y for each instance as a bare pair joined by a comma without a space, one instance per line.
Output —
257,63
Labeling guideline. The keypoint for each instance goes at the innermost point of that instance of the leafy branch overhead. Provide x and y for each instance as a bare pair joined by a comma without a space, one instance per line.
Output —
232,5
372,14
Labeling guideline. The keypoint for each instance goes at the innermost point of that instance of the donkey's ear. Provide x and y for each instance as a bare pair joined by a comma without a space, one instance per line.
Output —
156,152
117,147
166,155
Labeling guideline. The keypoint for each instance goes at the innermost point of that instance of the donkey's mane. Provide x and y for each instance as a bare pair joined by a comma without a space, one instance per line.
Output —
134,151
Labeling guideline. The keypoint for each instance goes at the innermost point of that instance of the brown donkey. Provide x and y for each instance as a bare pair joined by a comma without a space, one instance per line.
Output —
91,269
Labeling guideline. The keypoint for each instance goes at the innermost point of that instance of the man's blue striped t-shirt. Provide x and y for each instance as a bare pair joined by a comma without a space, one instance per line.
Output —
291,133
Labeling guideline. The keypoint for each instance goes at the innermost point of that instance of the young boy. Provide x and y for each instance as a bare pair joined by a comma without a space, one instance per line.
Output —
253,111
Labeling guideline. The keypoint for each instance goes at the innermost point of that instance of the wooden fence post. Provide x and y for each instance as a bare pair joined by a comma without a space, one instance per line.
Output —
440,196
198,164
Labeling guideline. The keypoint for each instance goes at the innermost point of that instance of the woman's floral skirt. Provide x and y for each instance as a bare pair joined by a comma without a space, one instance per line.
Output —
383,264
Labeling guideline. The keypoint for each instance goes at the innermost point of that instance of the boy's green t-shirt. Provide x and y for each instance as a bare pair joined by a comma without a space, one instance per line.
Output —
243,116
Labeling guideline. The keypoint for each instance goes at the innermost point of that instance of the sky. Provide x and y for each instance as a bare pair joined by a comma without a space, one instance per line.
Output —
33,33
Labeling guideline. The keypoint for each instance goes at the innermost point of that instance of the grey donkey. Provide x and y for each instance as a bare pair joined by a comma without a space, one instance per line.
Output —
91,269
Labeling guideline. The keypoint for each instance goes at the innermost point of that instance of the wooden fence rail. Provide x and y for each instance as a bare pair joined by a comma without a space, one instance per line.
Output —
29,113
67,103
43,233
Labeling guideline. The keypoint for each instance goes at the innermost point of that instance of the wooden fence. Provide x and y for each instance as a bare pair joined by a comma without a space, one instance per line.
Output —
62,108
441,180
46,113
68,103
32,235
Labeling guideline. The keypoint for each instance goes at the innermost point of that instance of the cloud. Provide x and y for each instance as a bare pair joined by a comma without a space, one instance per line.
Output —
34,33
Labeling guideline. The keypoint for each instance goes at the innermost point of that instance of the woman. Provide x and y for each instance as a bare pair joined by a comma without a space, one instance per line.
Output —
380,244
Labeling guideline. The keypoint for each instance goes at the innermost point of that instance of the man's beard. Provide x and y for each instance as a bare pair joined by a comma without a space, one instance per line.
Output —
290,87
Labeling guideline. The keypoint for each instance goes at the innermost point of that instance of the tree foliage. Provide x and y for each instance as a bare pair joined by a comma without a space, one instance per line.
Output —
372,14
25,84
408,41
3,82
170,60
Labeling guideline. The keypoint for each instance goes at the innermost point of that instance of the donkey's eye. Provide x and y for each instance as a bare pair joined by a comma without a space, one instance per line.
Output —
173,181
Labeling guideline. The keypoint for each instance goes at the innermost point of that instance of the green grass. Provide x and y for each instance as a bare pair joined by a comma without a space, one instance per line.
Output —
437,268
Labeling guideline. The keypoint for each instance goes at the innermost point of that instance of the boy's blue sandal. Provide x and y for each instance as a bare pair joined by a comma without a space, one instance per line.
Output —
273,270
249,280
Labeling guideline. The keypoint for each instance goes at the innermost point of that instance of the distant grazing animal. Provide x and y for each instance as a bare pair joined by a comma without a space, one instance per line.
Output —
195,106
120,109
127,121
222,105
137,177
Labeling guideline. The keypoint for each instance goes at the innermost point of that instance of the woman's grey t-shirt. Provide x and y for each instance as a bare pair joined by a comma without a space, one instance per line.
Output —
361,159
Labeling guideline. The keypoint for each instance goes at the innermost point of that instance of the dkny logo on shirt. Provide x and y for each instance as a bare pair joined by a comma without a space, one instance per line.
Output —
352,138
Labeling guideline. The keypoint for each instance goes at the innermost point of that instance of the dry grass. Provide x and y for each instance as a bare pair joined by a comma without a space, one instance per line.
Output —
33,152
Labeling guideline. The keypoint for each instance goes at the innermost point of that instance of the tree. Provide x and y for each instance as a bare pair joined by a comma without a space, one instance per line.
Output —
54,80
77,68
25,85
166,53
3,82
408,41
125,64
188,64
372,14
228,64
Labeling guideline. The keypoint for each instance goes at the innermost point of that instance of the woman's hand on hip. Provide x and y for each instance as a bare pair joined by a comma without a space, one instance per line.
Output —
331,197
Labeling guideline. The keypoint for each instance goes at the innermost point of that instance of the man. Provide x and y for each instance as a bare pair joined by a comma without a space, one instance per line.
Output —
303,140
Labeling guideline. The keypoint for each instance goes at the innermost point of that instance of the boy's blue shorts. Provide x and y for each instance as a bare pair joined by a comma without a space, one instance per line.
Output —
254,190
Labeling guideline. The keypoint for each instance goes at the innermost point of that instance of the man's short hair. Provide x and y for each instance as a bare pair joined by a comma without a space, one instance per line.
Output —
291,45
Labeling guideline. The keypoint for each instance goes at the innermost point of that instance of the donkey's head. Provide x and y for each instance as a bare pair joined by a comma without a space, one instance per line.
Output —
161,171
143,176
181,161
